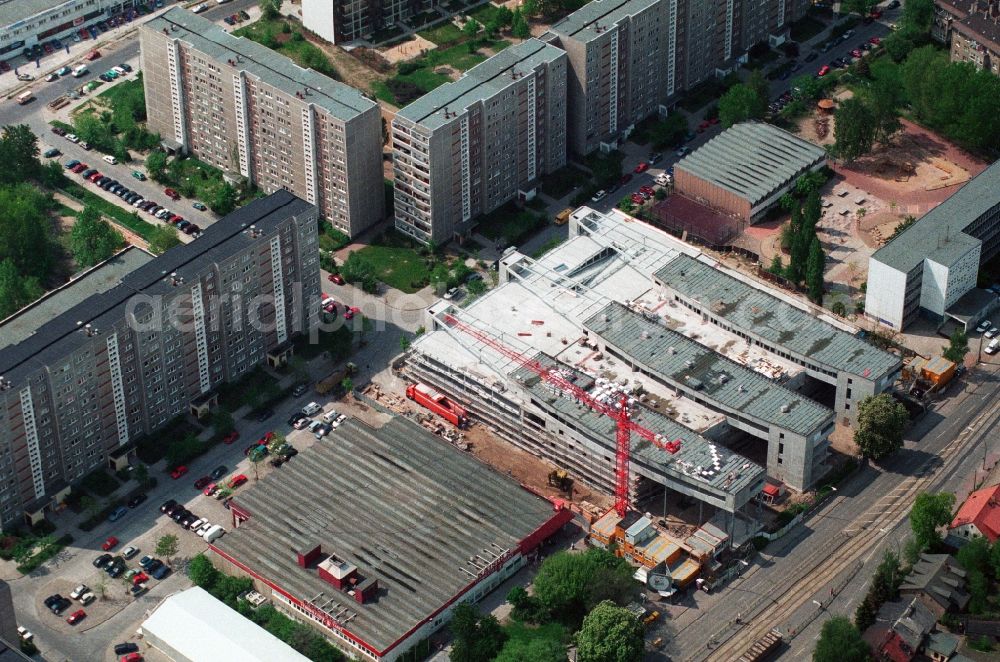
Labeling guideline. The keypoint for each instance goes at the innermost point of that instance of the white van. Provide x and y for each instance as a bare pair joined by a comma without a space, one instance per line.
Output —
214,533
80,71
311,409
110,159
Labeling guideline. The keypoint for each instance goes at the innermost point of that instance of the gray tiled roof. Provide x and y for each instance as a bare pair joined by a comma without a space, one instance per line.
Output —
752,310
675,358
100,278
590,20
341,101
12,11
735,474
478,83
752,160
940,233
403,506
60,336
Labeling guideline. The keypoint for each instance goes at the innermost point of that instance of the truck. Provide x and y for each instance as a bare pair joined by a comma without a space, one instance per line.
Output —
438,403
563,216
25,97
214,534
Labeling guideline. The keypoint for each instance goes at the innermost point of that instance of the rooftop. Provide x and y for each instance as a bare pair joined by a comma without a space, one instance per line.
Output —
96,280
941,578
678,359
61,335
940,233
404,507
755,311
199,627
340,100
482,81
698,459
981,508
752,160
595,17
977,18
13,11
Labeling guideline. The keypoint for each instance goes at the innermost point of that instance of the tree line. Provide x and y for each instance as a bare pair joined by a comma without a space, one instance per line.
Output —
806,256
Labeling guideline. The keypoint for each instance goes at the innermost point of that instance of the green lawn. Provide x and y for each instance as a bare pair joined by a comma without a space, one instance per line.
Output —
520,636
806,28
284,37
458,57
122,92
485,13
512,224
119,215
563,180
396,261
445,33
420,77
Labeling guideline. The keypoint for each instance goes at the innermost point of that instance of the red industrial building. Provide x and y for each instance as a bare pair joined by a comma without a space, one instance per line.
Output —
372,536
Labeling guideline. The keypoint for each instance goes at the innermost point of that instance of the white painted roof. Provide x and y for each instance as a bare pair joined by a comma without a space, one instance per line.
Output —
203,629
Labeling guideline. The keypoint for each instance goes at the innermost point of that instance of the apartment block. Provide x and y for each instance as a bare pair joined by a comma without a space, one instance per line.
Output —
616,51
470,146
125,348
932,267
340,21
255,114
972,29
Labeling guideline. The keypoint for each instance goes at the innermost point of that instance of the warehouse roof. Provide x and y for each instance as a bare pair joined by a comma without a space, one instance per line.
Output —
486,79
695,461
940,233
340,100
752,310
676,359
595,17
199,627
752,159
14,11
404,507
62,334
95,280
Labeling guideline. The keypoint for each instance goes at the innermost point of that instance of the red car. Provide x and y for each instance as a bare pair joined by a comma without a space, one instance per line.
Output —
350,312
331,308
874,41
178,472
95,177
876,14
231,437
642,167
713,120
79,167
109,544
236,481
76,617
59,131
139,578
93,55
202,482
131,657
210,489
647,189
856,53
337,279
266,439
824,70
637,199
626,178
172,194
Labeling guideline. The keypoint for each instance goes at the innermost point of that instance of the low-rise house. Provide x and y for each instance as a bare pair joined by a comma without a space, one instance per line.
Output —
938,582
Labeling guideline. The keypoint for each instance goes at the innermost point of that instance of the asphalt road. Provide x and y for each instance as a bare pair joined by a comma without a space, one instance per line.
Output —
846,535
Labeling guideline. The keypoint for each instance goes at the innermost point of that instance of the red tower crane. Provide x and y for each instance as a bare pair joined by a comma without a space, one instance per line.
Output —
619,411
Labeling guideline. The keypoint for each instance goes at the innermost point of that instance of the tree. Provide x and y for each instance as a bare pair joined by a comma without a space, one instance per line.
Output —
958,346
929,512
739,104
141,474
15,290
626,204
566,585
528,7
477,637
861,7
222,422
809,183
202,572
519,25
610,634
807,88
476,287
762,91
840,641
918,16
504,15
24,229
670,131
89,505
471,28
166,545
881,421
347,384
156,164
885,96
18,153
838,308
776,267
535,650
92,239
814,271
974,556
854,129
525,607
270,9
222,199
162,238
898,46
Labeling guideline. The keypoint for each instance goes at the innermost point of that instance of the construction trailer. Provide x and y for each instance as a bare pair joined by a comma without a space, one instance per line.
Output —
438,403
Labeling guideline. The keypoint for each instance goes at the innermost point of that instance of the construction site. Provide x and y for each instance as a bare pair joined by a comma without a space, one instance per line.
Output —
596,359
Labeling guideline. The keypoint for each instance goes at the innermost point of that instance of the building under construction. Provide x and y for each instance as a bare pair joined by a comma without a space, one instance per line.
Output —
593,309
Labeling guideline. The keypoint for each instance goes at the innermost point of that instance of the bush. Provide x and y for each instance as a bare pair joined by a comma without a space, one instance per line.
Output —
99,483
409,67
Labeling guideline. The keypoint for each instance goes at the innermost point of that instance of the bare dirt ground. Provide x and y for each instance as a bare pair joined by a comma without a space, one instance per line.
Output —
526,468
407,50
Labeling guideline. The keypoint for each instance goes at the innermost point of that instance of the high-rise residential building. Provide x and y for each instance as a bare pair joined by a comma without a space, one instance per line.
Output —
115,355
253,113
629,59
340,21
617,51
470,146
972,29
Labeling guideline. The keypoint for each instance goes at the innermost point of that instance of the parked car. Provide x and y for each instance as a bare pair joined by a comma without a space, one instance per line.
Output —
102,560
202,482
136,500
167,505
109,544
51,153
311,409
824,70
138,175
146,561
125,648
683,151
641,168
203,529
300,389
236,481
219,472
130,552
178,472
337,279
24,633
993,332
231,437
79,591
162,571
76,617
118,513
199,206
626,178
171,193
600,195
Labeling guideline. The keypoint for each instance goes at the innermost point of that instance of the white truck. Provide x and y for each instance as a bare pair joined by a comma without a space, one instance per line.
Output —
214,533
